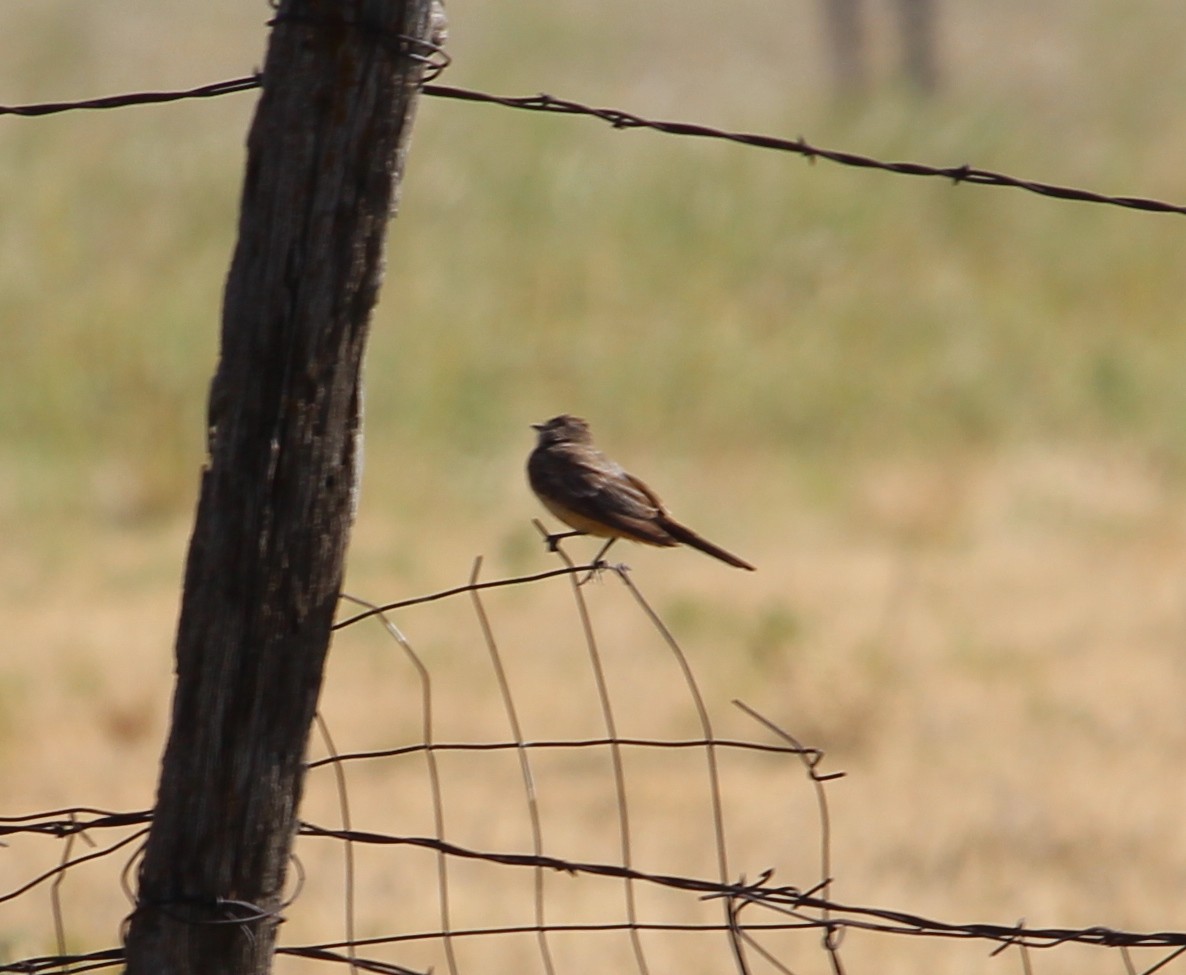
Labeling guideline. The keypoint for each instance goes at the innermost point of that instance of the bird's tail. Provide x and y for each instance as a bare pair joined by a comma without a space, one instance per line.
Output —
683,534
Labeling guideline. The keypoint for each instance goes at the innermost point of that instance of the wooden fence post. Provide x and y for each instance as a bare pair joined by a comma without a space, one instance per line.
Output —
325,155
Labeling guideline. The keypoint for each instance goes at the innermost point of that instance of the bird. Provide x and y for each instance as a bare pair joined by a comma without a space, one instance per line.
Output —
593,495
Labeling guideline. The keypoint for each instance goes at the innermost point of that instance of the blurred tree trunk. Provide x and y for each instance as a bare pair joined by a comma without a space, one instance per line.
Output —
917,27
325,154
848,48
846,45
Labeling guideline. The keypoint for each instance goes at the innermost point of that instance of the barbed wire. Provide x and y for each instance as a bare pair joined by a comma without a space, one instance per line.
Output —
622,119
963,173
750,911
754,912
214,90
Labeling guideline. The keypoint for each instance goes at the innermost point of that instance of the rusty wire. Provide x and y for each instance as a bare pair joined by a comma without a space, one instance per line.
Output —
750,909
622,119
753,910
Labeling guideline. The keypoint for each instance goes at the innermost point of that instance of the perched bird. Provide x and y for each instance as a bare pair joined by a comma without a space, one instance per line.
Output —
594,496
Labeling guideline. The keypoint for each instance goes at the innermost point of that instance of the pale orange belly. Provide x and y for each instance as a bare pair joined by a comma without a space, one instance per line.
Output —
579,522
589,526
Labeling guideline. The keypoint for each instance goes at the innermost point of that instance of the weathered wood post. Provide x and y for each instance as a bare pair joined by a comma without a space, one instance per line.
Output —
325,155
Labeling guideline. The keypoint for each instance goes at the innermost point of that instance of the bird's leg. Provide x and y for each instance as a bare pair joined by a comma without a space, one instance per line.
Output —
598,562
552,540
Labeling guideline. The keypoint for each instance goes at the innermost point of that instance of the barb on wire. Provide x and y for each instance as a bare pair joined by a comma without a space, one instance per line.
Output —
811,759
782,899
427,51
963,173
55,887
710,750
621,119
64,822
757,913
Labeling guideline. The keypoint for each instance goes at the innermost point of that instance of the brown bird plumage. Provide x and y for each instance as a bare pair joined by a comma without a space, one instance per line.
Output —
595,496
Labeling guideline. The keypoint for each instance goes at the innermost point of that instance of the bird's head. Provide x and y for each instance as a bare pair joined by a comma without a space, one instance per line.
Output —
562,429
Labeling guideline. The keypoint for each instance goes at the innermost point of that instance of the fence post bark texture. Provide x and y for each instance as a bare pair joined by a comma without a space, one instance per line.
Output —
278,491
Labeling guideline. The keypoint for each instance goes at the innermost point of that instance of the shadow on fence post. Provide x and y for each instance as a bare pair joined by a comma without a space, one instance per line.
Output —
325,154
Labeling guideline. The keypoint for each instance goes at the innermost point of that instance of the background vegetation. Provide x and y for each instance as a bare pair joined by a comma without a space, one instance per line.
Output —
948,423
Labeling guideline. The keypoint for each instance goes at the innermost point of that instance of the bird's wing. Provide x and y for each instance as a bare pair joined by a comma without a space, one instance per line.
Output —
600,491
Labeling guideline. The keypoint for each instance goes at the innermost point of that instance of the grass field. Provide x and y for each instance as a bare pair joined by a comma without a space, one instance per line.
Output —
947,423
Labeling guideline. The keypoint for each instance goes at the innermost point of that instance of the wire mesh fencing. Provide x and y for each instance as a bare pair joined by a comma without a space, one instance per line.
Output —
555,794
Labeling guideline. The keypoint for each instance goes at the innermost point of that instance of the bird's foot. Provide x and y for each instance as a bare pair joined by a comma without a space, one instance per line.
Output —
595,571
557,537
601,566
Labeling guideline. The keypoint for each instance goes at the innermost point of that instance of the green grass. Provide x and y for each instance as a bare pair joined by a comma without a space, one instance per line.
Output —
938,418
684,294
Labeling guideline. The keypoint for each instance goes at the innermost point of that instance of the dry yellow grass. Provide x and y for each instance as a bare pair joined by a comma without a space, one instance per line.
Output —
945,423
990,649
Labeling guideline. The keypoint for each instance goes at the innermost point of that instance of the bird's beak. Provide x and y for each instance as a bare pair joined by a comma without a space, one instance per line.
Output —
537,426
